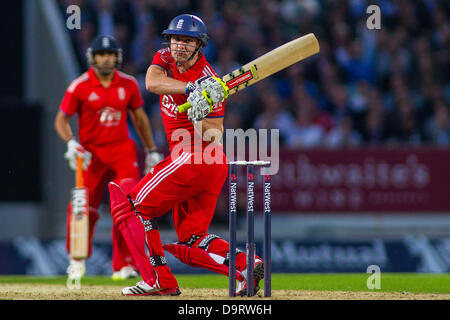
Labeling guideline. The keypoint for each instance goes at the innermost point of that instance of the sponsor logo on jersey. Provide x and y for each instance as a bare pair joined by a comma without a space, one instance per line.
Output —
169,107
110,117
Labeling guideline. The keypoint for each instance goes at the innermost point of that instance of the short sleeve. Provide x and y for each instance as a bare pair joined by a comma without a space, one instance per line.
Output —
161,58
70,102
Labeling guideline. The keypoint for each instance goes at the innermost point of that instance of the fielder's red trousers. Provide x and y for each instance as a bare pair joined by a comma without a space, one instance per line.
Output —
117,163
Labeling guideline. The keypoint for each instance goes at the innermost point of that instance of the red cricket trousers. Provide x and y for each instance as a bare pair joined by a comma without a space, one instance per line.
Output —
190,190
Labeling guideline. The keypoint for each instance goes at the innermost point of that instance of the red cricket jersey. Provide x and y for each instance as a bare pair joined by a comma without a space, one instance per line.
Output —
172,119
102,112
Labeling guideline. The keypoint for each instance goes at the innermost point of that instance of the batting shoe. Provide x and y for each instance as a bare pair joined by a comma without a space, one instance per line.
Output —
258,274
126,272
144,289
76,269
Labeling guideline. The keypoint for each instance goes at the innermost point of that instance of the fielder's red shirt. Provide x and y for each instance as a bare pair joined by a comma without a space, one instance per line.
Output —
102,112
172,119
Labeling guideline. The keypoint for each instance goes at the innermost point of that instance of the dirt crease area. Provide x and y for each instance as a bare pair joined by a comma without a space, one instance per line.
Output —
61,292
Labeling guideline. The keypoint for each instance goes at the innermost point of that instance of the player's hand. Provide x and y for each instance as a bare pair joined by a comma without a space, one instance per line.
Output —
74,150
201,105
151,159
215,87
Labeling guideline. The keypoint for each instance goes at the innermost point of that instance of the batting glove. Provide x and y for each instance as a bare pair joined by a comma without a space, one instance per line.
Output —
151,159
201,105
74,150
215,87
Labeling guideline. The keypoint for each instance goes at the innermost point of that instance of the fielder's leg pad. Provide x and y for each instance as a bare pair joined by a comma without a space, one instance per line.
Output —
195,254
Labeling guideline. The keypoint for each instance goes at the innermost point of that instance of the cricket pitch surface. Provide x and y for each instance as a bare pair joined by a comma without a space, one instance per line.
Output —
14,291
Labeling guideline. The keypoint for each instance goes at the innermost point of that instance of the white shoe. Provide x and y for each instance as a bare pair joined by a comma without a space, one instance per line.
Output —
126,272
258,274
76,269
143,289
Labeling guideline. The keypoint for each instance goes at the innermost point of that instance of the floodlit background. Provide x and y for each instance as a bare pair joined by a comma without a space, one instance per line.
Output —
364,127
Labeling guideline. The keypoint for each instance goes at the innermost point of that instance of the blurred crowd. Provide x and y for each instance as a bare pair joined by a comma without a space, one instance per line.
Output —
366,87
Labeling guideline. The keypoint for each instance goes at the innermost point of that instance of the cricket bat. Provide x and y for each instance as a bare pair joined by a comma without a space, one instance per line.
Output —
79,220
268,64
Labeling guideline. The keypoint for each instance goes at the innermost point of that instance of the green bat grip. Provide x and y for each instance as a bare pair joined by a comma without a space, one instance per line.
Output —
184,107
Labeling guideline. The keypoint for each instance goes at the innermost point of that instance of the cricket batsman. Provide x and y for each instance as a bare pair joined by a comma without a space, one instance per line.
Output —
180,73
102,97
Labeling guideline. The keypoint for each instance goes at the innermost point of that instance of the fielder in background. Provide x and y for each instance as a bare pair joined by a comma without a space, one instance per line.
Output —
180,73
101,97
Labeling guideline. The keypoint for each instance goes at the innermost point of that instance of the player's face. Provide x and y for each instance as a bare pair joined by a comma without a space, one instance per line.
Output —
105,62
182,47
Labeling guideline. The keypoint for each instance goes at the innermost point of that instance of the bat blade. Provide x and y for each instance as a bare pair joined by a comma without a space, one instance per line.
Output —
268,64
272,62
79,219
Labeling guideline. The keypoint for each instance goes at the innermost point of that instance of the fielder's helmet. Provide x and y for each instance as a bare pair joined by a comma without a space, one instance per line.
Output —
188,25
103,43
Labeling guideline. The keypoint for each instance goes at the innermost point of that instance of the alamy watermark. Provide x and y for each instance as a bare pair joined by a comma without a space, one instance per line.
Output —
374,281
73,283
373,22
73,21
250,145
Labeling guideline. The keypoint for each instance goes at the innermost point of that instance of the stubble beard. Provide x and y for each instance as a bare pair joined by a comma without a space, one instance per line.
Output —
181,59
104,70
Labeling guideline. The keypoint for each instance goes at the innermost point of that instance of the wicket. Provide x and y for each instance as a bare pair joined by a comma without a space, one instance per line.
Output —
251,246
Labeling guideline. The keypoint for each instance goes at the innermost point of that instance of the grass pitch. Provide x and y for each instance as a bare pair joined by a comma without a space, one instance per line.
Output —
390,282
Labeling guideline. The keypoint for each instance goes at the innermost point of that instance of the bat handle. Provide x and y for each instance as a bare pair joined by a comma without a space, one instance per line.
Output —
79,173
184,107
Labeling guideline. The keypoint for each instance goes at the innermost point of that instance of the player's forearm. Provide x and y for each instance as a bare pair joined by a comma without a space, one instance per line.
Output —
62,126
144,130
145,133
211,130
156,81
166,86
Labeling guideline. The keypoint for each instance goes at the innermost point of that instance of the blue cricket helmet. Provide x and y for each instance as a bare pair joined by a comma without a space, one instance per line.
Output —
188,25
104,43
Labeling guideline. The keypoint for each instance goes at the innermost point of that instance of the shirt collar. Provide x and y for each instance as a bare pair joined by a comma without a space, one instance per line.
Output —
197,68
199,65
95,82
